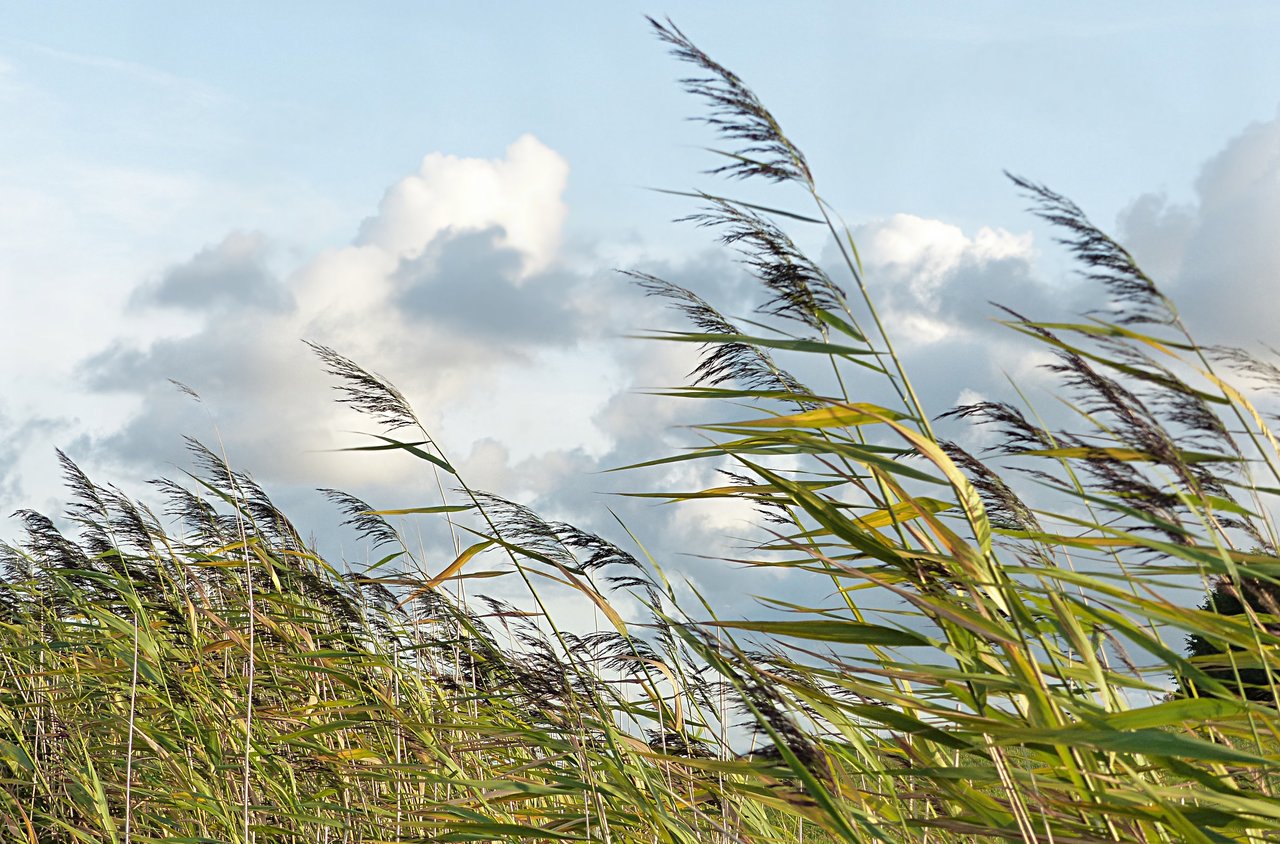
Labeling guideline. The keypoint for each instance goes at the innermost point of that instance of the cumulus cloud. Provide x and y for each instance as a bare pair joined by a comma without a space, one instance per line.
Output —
937,288
454,276
232,274
1218,255
459,290
936,282
519,193
470,283
511,351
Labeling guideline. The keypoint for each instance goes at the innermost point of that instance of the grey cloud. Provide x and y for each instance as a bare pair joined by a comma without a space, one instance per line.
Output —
150,446
15,441
460,310
467,283
271,401
975,357
261,392
1244,166
230,274
264,391
960,294
1218,257
1156,233
228,355
976,288
969,295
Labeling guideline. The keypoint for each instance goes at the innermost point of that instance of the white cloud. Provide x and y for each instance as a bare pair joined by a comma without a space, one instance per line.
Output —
455,289
519,193
933,281
930,249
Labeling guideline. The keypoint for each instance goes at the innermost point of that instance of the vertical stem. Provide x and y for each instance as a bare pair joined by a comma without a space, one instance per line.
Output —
128,759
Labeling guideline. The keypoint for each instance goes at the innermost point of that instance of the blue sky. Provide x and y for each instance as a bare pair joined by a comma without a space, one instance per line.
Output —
442,191
913,106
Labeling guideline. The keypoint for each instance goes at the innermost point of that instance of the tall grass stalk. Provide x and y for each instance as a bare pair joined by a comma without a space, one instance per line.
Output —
1002,653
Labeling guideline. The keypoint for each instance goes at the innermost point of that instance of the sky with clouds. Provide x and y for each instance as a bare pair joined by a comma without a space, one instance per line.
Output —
445,192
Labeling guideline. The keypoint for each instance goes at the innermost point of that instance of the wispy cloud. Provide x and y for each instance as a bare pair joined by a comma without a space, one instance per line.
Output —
136,72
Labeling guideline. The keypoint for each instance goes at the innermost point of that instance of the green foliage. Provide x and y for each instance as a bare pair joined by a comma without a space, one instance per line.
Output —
1262,608
995,664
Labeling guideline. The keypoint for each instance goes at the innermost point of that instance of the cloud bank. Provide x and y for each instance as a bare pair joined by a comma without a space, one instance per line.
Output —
460,290
1219,255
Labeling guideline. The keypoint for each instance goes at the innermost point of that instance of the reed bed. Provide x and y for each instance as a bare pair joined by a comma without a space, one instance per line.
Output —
1070,637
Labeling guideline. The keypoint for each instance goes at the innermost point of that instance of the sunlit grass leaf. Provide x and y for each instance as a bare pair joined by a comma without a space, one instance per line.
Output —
831,630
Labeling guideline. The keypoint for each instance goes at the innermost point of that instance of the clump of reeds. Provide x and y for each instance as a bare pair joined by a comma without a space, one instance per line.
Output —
1005,658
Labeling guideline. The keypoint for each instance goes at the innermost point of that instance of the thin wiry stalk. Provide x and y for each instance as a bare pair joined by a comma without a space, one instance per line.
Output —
133,711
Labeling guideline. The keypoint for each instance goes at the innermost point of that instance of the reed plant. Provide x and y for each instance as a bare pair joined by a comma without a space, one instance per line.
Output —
1070,637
